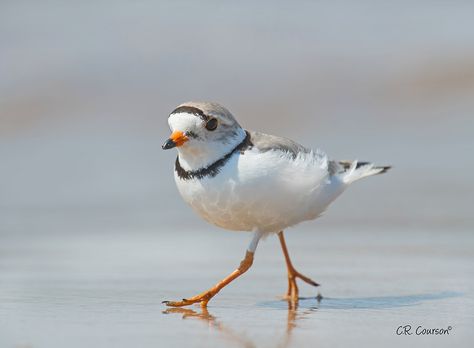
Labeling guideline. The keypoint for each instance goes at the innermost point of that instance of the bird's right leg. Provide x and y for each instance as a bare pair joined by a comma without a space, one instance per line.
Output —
206,296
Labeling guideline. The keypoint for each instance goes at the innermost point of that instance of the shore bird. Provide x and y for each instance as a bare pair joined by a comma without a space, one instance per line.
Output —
244,180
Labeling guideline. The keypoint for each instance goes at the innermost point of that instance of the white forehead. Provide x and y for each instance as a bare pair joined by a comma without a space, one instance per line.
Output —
182,121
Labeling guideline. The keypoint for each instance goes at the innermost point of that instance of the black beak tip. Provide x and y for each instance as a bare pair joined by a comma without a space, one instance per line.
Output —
169,144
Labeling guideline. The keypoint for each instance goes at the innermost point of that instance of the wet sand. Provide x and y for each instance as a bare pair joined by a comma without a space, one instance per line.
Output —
106,290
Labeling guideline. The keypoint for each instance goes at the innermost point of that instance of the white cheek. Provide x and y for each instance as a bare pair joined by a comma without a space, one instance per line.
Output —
184,122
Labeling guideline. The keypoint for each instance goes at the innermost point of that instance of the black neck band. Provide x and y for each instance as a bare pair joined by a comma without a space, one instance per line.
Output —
213,169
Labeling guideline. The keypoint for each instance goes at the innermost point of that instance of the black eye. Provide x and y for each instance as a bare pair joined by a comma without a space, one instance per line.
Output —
211,124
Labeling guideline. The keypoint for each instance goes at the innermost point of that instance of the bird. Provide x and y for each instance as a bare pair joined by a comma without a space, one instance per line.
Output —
243,180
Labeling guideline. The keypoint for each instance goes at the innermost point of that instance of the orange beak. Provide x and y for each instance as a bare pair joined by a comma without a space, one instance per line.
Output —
176,139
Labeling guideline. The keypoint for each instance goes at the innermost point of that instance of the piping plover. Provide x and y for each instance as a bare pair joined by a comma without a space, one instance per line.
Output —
249,181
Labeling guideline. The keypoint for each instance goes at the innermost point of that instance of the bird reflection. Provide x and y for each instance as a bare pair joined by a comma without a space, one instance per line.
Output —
293,317
205,316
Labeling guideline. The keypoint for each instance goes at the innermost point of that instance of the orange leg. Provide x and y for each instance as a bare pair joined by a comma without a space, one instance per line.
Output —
206,296
292,293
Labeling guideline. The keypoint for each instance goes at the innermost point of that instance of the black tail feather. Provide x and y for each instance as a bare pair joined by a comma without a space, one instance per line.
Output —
384,168
347,164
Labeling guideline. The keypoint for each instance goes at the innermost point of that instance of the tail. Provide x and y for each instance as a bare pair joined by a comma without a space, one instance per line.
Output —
351,171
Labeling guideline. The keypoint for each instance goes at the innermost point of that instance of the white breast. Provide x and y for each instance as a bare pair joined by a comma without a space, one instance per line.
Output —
267,191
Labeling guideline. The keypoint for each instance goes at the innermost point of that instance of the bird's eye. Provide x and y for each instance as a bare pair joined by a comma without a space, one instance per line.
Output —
211,124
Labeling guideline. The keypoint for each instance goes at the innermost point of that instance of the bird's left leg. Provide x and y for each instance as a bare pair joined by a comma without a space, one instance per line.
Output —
206,296
292,293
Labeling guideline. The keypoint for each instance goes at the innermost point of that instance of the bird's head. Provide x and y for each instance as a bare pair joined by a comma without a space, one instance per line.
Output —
202,132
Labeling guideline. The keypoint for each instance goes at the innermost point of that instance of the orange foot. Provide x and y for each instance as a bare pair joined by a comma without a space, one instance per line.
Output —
292,293
203,298
206,296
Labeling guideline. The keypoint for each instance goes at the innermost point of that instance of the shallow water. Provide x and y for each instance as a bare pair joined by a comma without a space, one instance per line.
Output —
106,290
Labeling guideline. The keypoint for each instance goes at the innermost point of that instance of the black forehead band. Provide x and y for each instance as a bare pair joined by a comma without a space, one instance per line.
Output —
190,110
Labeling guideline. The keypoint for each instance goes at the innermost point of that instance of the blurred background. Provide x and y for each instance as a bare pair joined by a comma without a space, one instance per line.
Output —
86,193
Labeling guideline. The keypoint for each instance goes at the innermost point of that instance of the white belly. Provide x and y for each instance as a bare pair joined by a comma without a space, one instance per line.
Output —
264,192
